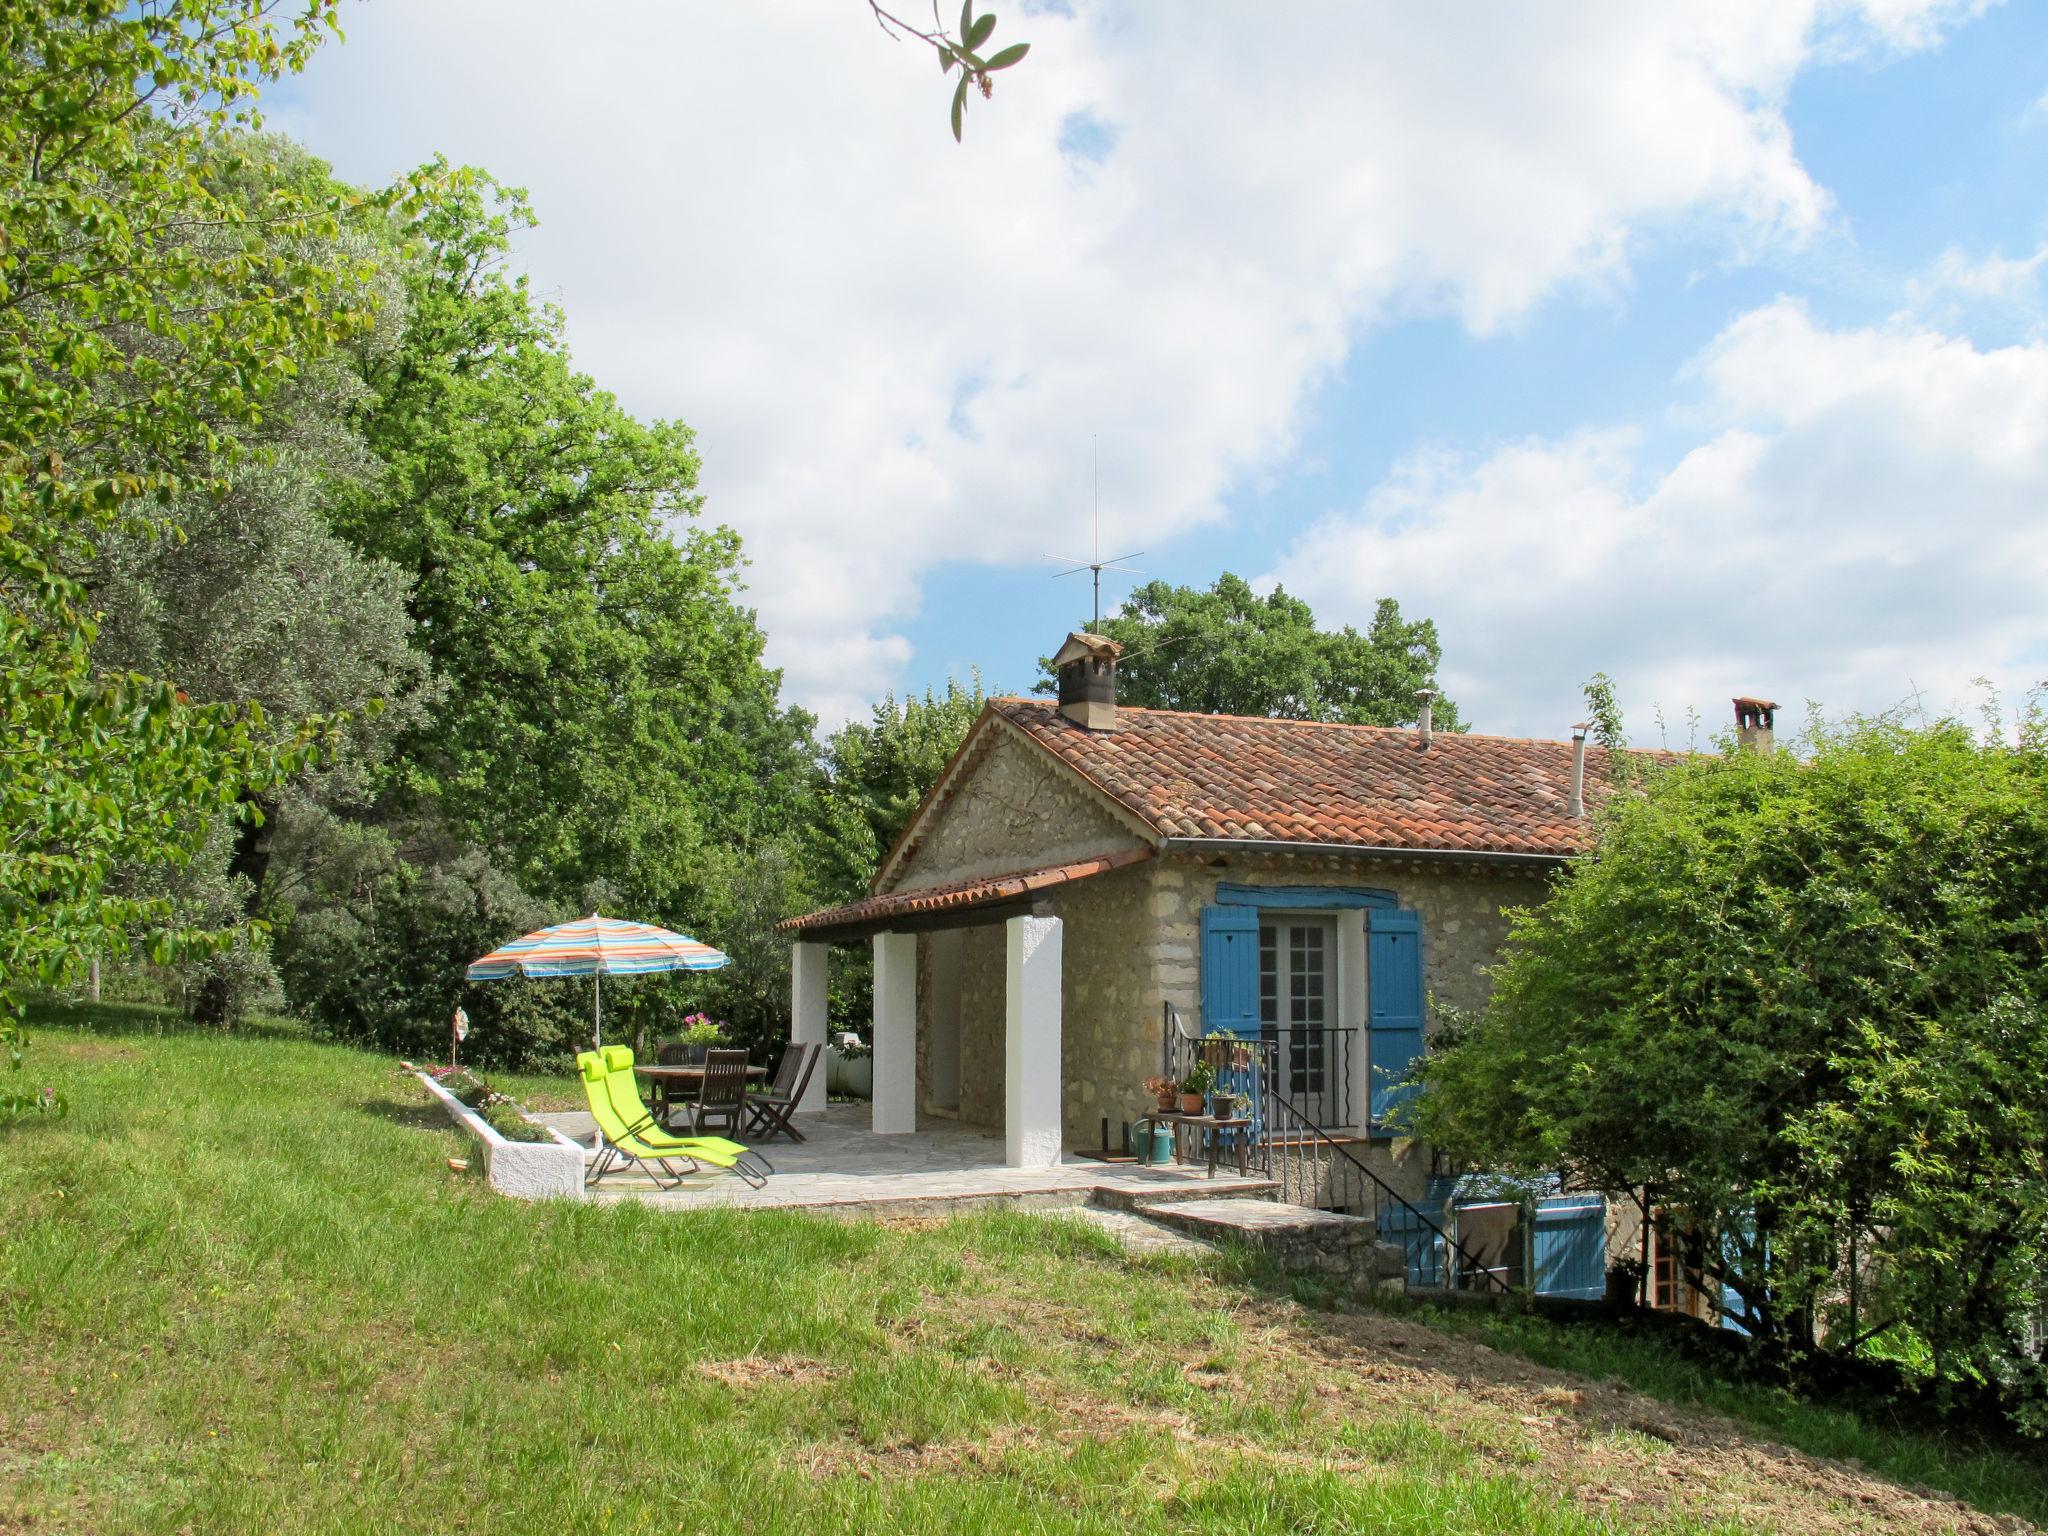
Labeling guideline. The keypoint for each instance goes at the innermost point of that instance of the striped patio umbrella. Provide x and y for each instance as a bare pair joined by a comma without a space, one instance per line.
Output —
596,946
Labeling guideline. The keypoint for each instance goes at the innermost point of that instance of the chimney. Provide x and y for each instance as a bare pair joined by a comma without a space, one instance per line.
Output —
1754,720
1575,807
1086,667
1423,696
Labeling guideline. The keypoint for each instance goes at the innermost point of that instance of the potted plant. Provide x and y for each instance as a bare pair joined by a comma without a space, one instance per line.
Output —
1163,1091
1196,1087
700,1033
1226,1104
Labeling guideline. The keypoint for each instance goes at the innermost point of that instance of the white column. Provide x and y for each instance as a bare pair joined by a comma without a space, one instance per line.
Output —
1351,1014
895,1035
1031,1043
808,967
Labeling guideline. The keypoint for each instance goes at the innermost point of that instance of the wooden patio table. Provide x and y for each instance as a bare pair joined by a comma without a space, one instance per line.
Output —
1213,1126
667,1078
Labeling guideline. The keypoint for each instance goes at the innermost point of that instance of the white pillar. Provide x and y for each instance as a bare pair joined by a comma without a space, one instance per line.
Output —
895,1035
808,968
1351,1014
1031,1044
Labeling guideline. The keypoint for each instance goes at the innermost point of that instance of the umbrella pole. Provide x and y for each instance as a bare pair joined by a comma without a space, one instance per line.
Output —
596,1011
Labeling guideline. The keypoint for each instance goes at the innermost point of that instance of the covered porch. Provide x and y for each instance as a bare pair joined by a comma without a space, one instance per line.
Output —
946,1084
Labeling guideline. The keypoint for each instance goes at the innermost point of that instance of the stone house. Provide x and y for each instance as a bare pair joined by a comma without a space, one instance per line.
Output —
1084,875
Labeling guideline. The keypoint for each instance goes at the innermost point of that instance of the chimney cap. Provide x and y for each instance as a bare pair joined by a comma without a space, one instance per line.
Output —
1755,703
1081,643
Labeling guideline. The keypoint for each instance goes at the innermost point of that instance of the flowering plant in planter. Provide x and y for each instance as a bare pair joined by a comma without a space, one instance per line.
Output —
1162,1089
702,1029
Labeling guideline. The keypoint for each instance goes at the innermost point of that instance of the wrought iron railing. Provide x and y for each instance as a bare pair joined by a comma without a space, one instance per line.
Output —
1312,1160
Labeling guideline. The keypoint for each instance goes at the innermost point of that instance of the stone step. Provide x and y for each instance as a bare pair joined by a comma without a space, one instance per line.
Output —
1138,1234
1299,1237
1118,1197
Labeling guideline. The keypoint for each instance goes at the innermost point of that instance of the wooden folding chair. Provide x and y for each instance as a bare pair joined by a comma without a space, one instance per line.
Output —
722,1093
768,1113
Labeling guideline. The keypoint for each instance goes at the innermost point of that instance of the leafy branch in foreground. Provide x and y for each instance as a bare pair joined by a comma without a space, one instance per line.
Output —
148,314
963,51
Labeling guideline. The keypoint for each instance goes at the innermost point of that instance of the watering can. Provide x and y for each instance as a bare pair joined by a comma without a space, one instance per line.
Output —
1152,1143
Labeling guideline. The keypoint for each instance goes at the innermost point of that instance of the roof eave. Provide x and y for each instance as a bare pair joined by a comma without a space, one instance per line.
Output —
1366,851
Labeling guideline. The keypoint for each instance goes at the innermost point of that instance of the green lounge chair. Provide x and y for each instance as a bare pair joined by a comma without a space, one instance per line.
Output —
632,1111
622,1144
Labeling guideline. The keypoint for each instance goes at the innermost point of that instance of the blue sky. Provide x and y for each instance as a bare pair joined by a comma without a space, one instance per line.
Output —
1707,352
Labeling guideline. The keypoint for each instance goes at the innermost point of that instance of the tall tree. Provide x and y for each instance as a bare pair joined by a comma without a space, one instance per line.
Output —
879,769
1229,651
146,313
251,598
605,707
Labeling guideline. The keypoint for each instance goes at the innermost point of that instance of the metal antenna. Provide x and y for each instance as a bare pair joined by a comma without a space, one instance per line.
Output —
1098,565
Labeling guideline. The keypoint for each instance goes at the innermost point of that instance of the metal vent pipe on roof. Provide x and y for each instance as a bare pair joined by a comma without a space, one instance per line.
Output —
1423,696
1575,806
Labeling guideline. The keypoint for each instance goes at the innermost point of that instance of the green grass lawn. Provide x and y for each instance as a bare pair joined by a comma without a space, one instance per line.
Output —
240,1290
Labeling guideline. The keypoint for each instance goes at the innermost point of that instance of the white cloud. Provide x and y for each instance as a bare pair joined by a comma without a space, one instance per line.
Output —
1864,518
1955,274
757,222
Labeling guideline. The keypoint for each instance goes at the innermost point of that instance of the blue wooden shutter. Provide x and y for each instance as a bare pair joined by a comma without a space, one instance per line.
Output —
1230,970
1571,1246
1393,969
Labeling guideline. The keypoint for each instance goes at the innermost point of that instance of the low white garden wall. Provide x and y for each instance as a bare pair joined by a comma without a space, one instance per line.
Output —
526,1170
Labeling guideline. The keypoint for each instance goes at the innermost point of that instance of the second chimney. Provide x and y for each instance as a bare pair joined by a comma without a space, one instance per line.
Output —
1423,699
1086,668
1755,721
1575,805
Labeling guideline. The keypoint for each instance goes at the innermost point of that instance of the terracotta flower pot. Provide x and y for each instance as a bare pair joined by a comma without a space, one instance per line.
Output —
1166,1102
1191,1103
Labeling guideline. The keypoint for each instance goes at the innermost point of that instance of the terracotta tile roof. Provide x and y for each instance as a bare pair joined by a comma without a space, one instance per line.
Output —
985,890
1297,781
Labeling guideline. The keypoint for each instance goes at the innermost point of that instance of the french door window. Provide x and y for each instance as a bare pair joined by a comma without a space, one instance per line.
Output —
1296,988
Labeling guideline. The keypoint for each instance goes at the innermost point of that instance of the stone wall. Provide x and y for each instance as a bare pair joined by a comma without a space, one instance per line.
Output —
1463,925
1011,808
982,988
1109,1025
1107,1035
1461,906
979,1020
1133,940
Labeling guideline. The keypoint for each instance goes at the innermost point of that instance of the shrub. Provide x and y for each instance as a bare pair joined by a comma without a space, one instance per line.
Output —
1801,997
388,971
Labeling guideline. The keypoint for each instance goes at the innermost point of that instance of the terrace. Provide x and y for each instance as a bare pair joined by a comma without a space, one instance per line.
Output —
847,1168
